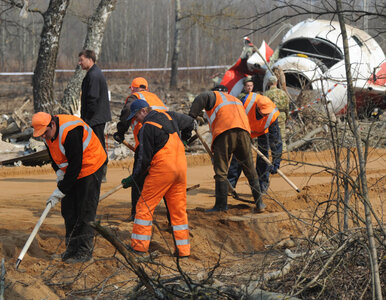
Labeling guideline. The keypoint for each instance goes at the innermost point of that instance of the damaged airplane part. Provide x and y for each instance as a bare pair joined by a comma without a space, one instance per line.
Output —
311,56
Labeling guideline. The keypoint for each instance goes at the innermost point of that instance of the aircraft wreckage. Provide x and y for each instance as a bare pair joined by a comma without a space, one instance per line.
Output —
311,57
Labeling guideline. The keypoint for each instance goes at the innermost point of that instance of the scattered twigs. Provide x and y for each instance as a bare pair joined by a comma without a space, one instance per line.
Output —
130,258
2,279
324,268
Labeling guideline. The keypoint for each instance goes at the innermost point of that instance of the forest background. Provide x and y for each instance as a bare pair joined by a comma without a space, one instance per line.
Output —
139,34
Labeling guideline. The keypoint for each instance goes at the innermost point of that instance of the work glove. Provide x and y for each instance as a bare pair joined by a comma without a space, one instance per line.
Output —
274,169
55,197
59,175
119,137
200,120
127,182
195,125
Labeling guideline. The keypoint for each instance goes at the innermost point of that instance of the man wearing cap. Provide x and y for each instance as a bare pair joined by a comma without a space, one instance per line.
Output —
161,160
262,115
230,136
139,90
77,157
280,98
95,106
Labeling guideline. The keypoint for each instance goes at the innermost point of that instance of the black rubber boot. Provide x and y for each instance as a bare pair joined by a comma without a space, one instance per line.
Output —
221,197
255,187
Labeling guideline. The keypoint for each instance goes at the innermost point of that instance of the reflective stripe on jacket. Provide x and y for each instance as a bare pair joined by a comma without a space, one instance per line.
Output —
259,127
94,155
227,113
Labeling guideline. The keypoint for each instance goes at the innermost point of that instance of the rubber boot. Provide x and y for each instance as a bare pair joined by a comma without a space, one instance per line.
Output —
221,197
255,187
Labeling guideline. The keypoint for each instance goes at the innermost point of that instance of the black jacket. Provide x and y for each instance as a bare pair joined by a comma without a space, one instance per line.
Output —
95,106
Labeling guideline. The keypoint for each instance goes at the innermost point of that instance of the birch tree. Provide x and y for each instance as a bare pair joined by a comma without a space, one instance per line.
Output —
177,42
44,73
95,31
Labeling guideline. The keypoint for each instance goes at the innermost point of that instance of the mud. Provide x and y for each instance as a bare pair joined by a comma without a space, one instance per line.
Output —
240,237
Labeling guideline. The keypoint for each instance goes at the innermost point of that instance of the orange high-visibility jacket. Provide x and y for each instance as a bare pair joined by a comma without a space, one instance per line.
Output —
227,113
166,177
154,102
94,155
259,127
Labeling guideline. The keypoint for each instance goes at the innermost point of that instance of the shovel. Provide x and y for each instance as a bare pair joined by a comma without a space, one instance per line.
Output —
32,235
278,171
41,220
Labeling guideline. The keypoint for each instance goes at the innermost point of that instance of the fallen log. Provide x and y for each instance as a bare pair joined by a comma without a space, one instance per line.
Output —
305,140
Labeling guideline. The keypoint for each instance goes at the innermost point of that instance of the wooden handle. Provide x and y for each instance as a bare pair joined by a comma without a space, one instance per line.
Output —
128,146
278,171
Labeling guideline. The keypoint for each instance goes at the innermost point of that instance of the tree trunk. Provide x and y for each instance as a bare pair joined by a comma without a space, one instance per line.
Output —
44,74
351,114
177,42
95,30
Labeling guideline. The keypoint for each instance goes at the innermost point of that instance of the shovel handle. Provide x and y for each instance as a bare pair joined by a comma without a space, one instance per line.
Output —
41,220
278,171
105,195
32,235
128,145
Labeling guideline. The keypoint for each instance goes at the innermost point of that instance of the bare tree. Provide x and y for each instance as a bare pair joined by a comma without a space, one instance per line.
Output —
44,74
177,42
352,116
95,31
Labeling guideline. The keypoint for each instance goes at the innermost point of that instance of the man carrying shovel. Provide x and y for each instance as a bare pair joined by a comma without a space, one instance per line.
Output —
231,136
77,157
161,160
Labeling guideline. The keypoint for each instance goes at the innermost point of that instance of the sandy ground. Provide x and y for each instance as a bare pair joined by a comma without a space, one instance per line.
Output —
239,235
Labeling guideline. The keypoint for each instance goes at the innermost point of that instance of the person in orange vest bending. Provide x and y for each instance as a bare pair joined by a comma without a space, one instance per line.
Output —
139,90
161,155
77,157
263,119
230,135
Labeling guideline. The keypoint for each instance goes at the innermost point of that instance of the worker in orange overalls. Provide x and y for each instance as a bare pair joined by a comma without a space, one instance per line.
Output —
78,158
230,136
139,90
161,155
263,119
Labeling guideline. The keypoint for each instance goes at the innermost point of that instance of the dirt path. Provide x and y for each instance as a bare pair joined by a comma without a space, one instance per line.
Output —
235,233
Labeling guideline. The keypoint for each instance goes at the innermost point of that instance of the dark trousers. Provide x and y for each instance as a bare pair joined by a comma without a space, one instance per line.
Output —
99,131
78,209
271,140
236,142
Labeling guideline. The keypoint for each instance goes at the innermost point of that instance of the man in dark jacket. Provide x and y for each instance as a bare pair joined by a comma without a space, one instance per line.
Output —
231,135
161,160
77,158
95,106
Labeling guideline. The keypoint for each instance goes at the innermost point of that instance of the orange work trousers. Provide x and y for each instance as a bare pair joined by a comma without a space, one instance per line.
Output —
166,178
